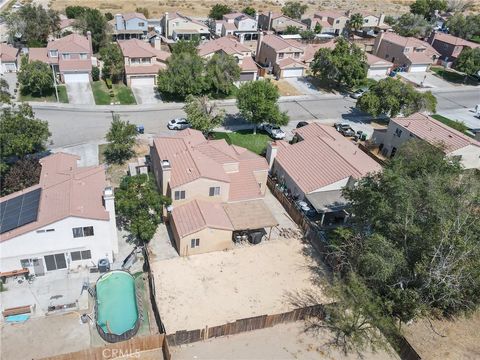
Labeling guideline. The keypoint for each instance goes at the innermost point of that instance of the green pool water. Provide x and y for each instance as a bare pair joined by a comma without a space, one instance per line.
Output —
116,302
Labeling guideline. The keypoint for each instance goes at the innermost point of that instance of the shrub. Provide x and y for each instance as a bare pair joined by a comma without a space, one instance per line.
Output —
108,82
95,73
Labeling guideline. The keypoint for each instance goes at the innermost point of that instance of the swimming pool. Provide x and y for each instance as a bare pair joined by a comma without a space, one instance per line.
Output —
116,306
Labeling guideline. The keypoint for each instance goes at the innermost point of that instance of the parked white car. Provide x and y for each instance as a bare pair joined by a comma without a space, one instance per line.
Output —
274,131
178,124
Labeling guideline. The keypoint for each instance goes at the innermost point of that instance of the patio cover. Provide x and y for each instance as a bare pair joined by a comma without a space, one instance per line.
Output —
247,215
327,201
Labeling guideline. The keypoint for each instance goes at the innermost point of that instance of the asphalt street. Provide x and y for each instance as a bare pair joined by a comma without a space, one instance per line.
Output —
71,125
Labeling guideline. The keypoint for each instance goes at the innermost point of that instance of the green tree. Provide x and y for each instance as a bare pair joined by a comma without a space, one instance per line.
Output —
113,65
109,16
75,11
469,61
121,139
318,28
291,30
390,20
414,235
32,24
184,46
183,76
218,10
393,97
21,134
294,9
427,8
250,11
355,23
21,175
36,78
4,93
343,65
203,114
222,71
413,25
257,102
143,10
307,35
139,207
93,20
464,27
95,73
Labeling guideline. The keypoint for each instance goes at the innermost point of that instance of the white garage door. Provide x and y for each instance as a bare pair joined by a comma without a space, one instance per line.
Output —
418,68
294,72
377,72
142,81
75,78
9,67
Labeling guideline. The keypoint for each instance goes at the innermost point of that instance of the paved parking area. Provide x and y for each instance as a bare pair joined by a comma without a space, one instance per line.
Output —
80,93
88,153
145,93
11,80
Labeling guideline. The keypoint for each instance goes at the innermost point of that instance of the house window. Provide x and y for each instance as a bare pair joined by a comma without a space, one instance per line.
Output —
50,230
194,243
65,56
83,56
81,255
40,231
55,262
82,231
141,24
214,191
387,56
53,53
280,55
365,21
25,263
394,150
337,22
179,195
296,55
398,132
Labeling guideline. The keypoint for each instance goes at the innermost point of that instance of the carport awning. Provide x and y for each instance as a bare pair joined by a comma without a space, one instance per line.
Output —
327,201
247,215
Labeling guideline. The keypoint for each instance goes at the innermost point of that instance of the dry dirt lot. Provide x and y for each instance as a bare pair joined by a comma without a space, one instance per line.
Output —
216,288
284,341
202,7
458,339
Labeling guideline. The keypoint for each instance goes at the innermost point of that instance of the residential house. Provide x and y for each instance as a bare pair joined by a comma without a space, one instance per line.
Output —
70,56
66,25
378,68
129,26
65,221
8,58
412,54
216,189
287,57
449,46
373,24
142,61
176,26
278,22
317,166
231,46
332,22
242,26
424,127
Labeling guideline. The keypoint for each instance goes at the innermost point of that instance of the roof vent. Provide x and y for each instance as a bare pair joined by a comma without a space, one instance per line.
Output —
165,164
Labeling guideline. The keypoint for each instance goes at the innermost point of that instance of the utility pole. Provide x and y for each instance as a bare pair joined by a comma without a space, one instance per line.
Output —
55,83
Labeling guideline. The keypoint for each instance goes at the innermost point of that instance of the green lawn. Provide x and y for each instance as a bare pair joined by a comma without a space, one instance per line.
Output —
457,125
101,94
452,76
245,138
62,95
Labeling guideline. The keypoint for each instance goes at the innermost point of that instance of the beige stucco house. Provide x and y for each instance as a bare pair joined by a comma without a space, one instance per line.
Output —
278,22
424,127
216,189
176,26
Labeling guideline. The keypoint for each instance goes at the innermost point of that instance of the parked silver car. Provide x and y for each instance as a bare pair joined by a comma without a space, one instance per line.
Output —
274,131
178,124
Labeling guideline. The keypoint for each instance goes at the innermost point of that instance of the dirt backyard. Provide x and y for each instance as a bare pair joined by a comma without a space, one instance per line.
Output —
269,278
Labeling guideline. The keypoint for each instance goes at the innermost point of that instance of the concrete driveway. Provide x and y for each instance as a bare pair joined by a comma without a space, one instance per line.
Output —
144,91
12,82
304,85
80,93
426,80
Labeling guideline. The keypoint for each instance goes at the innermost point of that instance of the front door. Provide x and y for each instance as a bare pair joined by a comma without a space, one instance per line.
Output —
38,267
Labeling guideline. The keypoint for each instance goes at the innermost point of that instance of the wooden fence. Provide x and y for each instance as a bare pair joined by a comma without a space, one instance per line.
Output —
244,325
367,151
129,348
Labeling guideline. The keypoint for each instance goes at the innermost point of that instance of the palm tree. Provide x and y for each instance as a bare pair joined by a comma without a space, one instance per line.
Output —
355,23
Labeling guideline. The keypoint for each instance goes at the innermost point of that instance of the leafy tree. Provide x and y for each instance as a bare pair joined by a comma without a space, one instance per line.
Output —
250,11
143,10
427,8
184,46
257,102
139,207
413,25
93,20
390,20
4,93
318,28
307,35
454,6
36,78
121,139
95,73
22,174
355,23
113,65
218,10
108,16
222,71
294,9
393,97
75,12
469,61
184,74
21,134
291,30
464,27
414,235
33,24
344,65
202,113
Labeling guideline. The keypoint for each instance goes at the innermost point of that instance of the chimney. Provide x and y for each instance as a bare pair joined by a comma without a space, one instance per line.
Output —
272,150
119,25
378,41
89,38
256,18
157,43
381,20
166,175
165,25
259,45
109,204
269,25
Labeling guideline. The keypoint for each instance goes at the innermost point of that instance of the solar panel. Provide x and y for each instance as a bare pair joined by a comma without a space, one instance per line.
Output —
19,211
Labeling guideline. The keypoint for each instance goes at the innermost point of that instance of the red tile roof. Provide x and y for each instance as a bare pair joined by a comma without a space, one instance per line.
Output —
75,65
130,16
152,69
73,43
453,40
135,48
373,60
278,44
8,53
248,64
225,43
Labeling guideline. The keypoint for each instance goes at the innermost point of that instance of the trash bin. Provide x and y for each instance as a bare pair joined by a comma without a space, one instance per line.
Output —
103,265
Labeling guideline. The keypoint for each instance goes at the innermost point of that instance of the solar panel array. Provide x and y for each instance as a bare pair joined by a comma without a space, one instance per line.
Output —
19,211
